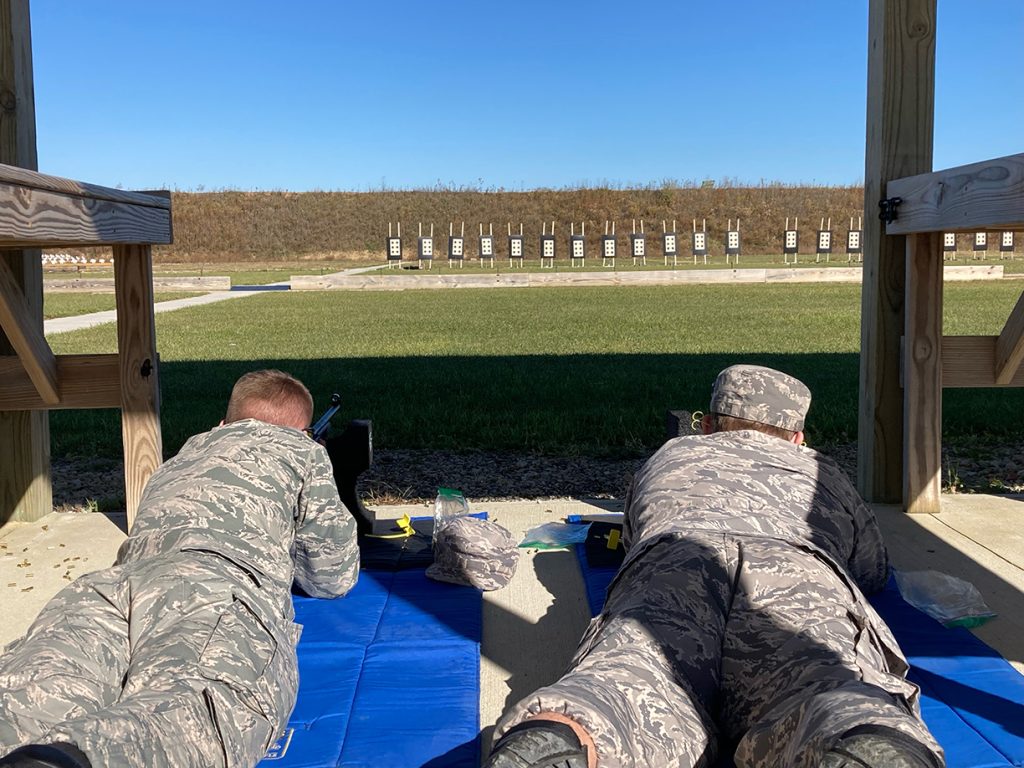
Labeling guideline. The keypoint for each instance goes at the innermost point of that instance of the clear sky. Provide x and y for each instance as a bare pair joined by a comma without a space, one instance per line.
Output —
357,94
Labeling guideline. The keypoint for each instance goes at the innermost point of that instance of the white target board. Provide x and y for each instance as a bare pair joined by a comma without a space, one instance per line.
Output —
515,247
732,242
638,245
1006,241
455,247
790,241
824,241
700,243
980,241
547,247
486,247
426,247
394,248
578,248
853,241
671,246
608,247
949,241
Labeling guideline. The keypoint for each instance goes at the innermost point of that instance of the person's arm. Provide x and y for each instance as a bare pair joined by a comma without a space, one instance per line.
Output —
326,553
869,560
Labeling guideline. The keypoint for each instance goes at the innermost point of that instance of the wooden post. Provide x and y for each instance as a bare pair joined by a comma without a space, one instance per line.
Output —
25,490
900,115
140,379
922,374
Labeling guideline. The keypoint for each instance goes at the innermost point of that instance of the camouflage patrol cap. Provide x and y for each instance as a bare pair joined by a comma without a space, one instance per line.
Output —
474,552
761,394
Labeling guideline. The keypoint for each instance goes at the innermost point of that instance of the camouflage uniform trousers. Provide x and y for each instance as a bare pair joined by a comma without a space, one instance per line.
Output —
170,661
714,641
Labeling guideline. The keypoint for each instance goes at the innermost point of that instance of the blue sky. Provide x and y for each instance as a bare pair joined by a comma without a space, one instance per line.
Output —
339,94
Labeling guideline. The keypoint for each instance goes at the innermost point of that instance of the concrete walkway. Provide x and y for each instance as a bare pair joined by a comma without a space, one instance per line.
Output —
78,322
531,627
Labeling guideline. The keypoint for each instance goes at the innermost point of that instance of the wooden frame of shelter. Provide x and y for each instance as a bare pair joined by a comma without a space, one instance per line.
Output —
38,211
905,360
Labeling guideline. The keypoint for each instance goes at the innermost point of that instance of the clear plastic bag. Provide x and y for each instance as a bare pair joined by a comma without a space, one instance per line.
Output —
448,504
555,535
947,599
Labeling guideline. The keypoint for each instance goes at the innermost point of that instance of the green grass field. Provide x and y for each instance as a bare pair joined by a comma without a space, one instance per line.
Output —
70,304
551,370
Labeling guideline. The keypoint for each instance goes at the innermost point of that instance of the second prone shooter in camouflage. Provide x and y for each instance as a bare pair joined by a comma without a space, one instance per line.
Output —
183,653
737,622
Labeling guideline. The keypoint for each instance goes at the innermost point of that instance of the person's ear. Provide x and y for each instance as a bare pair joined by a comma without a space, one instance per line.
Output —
797,438
706,424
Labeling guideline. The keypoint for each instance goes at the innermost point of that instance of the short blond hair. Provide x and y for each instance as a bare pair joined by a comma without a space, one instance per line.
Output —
272,396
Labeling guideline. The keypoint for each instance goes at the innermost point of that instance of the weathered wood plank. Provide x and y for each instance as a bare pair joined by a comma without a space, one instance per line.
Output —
970,361
900,114
26,337
981,196
139,374
21,177
25,490
50,219
87,381
1010,345
922,375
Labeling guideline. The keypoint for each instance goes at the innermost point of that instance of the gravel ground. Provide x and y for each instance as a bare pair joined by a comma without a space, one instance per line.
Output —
974,466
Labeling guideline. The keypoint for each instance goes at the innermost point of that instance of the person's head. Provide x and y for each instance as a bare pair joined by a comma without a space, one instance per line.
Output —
271,396
758,398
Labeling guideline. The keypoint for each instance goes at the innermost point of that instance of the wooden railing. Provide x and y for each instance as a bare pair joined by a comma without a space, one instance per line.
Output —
38,211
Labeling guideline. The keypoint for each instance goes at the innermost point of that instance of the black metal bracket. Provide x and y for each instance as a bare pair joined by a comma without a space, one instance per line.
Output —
887,209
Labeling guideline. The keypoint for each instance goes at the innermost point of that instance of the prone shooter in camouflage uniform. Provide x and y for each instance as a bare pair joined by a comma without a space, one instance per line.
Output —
183,653
737,622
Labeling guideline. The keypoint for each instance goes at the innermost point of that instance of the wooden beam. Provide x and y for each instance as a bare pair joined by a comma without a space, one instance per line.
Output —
86,381
981,196
1010,345
900,112
139,374
51,219
30,179
970,361
26,338
922,375
25,490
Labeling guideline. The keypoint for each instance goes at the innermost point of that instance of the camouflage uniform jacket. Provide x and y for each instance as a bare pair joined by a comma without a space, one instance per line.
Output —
258,495
747,483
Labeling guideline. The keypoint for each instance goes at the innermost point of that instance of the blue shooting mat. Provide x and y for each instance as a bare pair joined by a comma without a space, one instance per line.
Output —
390,673
971,698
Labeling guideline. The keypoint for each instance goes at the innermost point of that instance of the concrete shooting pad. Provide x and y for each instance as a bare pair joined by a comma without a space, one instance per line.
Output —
531,627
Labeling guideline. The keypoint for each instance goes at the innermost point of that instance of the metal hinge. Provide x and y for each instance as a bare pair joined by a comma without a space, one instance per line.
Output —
887,208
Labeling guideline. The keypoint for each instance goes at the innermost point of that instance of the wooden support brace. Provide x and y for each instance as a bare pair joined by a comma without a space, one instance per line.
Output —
87,381
969,198
970,361
139,374
26,338
1010,345
922,375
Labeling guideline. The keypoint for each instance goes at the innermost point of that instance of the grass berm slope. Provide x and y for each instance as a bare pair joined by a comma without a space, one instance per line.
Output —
268,226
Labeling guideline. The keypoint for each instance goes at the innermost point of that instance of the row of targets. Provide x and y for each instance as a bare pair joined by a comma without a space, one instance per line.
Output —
979,245
516,248
824,241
